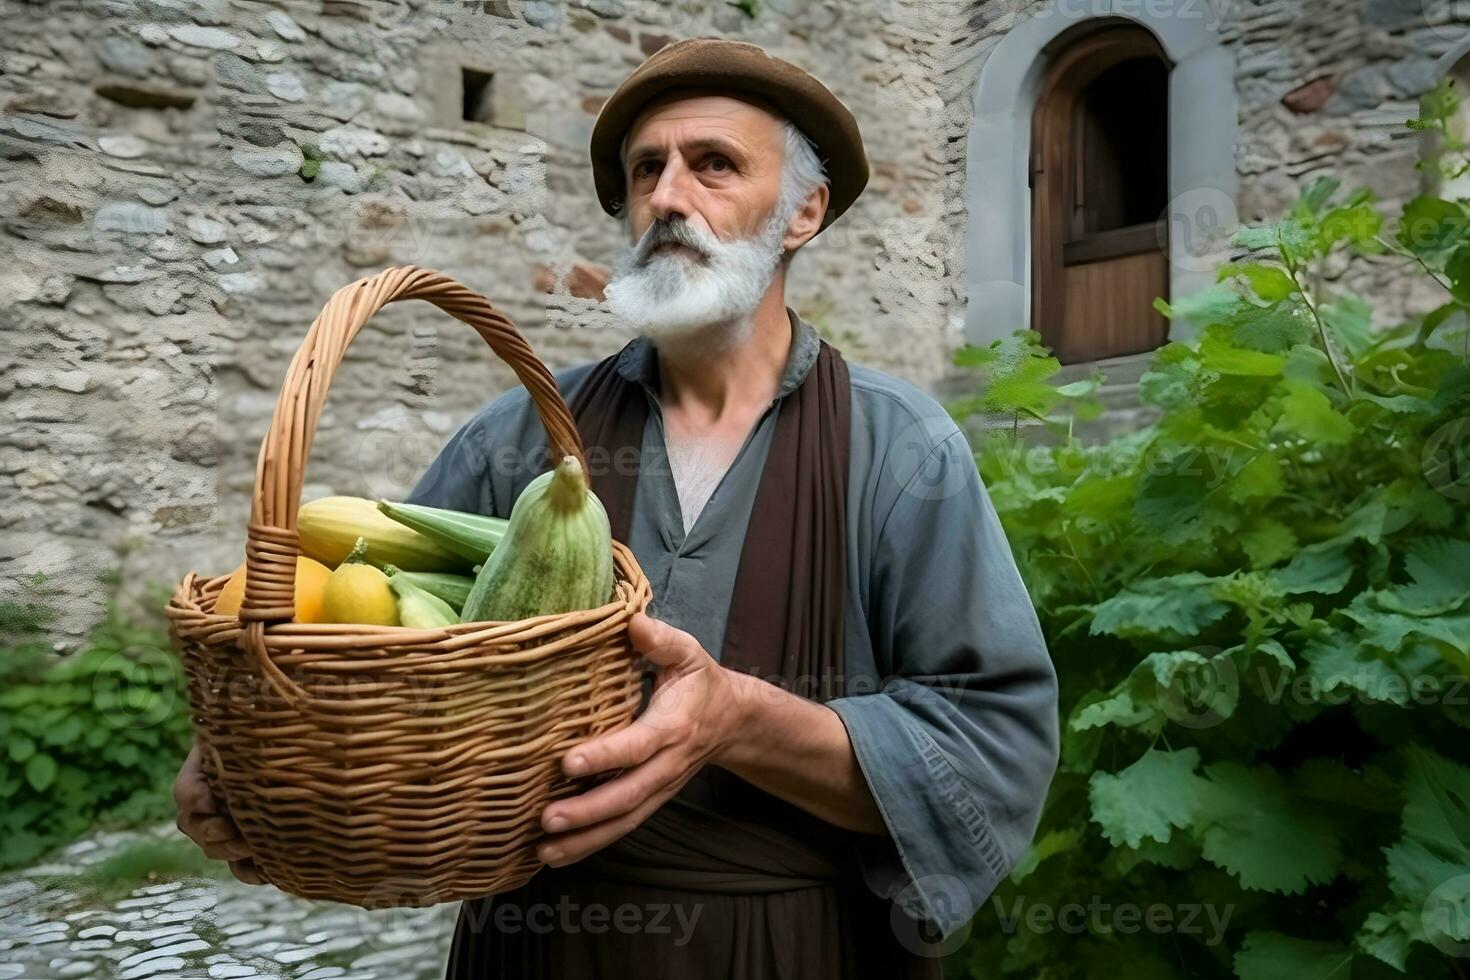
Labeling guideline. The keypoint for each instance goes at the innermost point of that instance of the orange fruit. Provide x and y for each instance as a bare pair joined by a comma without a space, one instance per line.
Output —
311,583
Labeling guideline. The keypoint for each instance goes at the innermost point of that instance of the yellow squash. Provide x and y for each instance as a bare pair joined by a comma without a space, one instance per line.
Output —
328,528
359,593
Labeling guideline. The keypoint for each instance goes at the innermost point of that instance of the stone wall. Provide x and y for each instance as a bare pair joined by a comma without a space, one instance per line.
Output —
185,183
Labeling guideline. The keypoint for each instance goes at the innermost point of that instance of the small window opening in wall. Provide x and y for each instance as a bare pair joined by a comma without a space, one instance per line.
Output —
479,106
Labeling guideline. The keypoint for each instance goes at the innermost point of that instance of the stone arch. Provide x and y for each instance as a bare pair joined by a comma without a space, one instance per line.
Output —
1202,128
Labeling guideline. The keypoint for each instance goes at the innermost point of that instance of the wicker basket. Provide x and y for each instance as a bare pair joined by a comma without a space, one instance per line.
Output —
385,766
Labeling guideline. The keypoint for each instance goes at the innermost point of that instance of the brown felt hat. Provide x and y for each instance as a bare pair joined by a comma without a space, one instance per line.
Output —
741,68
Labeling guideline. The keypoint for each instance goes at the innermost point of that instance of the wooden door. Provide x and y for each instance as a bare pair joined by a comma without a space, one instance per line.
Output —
1099,187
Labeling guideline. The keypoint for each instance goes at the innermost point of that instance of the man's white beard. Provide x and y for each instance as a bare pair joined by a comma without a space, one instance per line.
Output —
673,295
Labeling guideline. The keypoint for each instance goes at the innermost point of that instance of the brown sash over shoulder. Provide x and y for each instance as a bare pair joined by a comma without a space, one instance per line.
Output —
750,887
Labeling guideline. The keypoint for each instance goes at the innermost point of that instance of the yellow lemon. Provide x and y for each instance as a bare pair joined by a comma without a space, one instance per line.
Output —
311,583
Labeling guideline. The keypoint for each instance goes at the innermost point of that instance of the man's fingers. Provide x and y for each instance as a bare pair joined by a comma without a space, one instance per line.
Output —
230,850
571,847
245,870
613,798
209,829
191,790
661,643
628,746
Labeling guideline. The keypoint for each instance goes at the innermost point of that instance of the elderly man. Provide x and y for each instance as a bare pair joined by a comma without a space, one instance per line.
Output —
853,720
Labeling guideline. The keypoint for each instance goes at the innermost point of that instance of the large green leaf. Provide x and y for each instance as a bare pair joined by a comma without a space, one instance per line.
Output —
1350,321
1324,567
1149,799
1439,569
1388,630
1272,956
40,771
1250,824
1338,662
1179,605
1431,228
1310,414
1429,867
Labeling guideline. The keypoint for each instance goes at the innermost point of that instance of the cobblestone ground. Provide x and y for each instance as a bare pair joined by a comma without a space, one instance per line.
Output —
219,929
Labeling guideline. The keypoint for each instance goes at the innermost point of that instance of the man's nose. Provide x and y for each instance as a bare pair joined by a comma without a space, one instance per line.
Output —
670,200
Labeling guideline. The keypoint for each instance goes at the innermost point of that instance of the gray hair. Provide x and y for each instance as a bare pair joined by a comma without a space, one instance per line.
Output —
801,170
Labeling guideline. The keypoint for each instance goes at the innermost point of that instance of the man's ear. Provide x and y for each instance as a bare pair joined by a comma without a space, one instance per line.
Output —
808,219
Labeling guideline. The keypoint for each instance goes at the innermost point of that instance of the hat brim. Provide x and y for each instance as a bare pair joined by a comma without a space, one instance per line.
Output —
740,69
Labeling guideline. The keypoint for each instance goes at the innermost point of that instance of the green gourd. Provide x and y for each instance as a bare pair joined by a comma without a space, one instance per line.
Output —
420,609
556,556
470,536
453,589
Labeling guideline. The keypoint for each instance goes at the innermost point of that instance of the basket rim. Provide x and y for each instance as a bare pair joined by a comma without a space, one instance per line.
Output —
349,646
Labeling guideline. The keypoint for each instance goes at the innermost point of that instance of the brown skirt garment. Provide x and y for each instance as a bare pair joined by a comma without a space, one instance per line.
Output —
692,894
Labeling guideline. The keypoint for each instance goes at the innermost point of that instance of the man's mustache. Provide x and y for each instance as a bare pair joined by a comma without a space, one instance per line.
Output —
669,233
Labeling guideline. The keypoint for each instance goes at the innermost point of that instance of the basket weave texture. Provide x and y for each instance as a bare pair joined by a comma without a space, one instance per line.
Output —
383,766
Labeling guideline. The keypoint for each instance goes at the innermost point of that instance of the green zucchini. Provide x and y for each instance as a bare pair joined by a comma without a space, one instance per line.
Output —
453,589
419,609
471,536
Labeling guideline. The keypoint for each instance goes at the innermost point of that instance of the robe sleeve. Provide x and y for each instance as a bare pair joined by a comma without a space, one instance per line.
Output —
959,741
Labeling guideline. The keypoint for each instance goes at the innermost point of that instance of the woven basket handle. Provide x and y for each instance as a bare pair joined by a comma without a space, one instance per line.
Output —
272,544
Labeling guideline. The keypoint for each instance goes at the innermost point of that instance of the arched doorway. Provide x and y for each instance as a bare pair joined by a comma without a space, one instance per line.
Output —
1099,176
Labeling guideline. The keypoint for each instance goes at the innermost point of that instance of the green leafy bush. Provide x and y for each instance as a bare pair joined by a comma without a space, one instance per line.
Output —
95,736
1259,609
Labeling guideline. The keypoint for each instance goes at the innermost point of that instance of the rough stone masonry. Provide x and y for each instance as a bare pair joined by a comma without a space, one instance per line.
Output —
185,183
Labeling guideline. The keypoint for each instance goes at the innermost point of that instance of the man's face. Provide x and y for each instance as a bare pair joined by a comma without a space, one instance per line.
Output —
704,178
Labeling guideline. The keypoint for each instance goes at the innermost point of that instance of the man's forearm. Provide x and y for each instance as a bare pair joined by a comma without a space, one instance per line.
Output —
800,751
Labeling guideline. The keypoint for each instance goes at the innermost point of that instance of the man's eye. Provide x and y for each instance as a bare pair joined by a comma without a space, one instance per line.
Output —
642,169
720,160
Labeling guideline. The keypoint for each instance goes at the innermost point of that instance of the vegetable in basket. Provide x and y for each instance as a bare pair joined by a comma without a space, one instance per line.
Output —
471,536
418,608
556,555
453,589
311,583
329,527
358,592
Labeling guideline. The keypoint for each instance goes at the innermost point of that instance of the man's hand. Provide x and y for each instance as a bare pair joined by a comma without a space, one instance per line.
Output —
692,716
204,819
